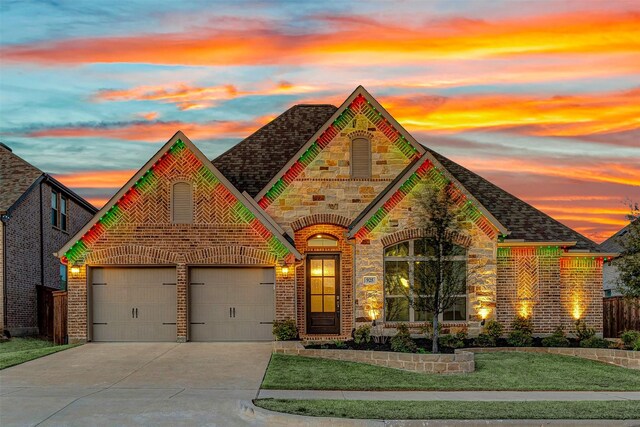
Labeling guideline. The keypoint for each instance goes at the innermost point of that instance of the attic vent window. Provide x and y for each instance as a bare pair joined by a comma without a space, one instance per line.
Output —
182,203
360,158
322,240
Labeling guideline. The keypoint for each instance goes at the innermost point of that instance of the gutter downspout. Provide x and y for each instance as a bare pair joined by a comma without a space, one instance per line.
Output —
4,220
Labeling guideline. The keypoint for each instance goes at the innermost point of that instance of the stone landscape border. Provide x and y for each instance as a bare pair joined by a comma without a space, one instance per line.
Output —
625,358
460,362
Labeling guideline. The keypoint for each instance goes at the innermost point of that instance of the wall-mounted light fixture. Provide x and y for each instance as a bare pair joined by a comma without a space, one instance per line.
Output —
75,269
484,313
285,270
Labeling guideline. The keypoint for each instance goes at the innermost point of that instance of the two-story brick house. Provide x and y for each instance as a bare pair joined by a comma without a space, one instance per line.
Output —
38,215
312,218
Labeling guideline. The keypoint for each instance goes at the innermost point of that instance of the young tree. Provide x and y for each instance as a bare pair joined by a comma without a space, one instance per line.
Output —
628,263
442,278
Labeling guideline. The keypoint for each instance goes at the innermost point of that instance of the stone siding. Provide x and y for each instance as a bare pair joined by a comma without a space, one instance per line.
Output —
458,363
625,358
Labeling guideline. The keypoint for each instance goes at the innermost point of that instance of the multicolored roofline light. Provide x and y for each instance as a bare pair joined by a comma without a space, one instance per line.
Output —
148,183
430,172
359,106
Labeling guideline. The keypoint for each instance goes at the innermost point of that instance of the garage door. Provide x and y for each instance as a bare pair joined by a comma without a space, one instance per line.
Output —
231,304
133,304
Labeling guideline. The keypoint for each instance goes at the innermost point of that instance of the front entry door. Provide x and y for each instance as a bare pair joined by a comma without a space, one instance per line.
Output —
323,294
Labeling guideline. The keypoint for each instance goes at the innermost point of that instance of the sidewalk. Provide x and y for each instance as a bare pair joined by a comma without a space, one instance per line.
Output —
506,396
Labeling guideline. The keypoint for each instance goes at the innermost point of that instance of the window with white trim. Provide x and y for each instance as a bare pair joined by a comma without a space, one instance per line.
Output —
401,264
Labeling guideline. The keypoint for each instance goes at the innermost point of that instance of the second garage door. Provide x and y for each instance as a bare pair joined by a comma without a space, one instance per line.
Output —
231,304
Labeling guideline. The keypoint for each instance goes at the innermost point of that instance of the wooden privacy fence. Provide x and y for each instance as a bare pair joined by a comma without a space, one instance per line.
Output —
52,314
618,315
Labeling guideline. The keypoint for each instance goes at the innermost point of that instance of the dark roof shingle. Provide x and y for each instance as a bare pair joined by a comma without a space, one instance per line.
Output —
254,161
521,219
16,176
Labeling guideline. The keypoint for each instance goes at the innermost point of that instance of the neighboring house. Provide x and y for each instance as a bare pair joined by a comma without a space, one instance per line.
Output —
305,219
38,216
610,271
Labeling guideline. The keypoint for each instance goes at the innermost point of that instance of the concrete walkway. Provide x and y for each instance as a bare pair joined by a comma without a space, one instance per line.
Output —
505,396
135,384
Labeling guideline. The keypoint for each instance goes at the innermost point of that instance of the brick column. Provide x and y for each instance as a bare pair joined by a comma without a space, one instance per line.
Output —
182,307
77,305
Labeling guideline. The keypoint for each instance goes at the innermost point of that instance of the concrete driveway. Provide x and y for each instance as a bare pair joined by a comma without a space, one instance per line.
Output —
135,384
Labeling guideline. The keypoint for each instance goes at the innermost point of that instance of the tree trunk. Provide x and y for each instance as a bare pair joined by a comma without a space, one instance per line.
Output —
434,346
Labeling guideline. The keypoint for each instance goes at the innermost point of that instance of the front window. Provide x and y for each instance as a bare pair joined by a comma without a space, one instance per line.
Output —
408,266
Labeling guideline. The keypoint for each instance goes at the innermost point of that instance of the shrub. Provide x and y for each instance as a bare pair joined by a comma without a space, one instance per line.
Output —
402,342
493,328
285,330
451,340
557,339
521,323
520,338
629,338
427,330
340,344
594,342
636,345
484,340
584,332
521,335
362,334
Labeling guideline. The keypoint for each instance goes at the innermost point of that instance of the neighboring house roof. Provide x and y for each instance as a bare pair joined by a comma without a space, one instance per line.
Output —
252,163
16,177
521,219
613,243
121,195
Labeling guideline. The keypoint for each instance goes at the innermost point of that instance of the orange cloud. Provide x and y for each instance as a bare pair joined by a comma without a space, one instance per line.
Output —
151,131
188,97
355,41
96,179
568,115
152,115
610,172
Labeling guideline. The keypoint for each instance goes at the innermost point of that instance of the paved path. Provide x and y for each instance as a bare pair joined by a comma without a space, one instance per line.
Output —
451,395
158,384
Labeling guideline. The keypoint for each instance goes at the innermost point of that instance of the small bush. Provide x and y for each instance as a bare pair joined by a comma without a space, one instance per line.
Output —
285,330
340,344
583,332
629,338
521,323
557,339
636,345
453,340
519,338
494,329
484,340
594,342
402,342
362,334
427,330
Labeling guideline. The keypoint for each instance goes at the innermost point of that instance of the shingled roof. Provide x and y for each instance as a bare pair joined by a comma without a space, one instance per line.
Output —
615,242
250,164
16,176
521,219
253,162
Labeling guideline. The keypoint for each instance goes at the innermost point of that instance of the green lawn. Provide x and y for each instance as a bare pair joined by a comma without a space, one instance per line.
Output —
494,371
399,410
20,350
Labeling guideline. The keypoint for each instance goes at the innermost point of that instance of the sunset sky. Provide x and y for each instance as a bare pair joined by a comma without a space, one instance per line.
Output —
540,97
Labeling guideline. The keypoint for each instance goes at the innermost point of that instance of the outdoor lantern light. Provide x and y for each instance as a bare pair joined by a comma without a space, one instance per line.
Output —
483,312
285,270
75,269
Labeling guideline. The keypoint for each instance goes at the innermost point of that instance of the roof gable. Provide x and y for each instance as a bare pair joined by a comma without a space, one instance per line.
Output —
16,177
252,163
425,168
142,182
359,102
